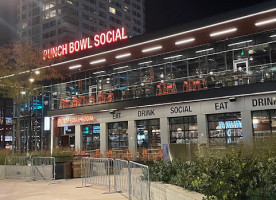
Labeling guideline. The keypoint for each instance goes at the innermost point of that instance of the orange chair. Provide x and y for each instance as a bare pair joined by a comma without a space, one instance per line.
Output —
75,102
204,84
97,154
159,156
110,98
100,98
191,84
186,86
83,100
158,90
144,155
126,156
91,100
172,89
63,104
196,85
110,154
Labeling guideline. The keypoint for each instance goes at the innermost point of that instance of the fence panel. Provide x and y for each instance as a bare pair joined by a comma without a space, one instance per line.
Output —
98,171
139,181
121,176
18,167
43,168
118,175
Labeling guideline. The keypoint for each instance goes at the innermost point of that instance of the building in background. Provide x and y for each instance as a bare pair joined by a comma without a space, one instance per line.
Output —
52,22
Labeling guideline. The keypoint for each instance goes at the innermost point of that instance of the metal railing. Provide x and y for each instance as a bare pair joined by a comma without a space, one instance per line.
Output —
117,175
30,168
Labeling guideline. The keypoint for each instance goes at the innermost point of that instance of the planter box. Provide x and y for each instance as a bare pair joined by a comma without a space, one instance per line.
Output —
63,170
77,169
160,191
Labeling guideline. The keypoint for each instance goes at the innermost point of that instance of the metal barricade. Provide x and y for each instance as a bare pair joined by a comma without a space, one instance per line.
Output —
18,167
43,168
30,169
97,171
139,181
118,175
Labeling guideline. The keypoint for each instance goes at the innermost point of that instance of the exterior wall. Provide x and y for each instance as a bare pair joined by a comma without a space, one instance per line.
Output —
245,105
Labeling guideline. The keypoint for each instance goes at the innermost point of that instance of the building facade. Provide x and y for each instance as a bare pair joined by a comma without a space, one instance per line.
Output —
211,82
52,22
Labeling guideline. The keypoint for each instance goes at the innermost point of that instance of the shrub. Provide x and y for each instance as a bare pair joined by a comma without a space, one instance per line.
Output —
236,173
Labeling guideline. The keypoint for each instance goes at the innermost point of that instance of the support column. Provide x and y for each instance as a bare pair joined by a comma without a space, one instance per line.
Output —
78,139
132,139
103,138
202,129
247,127
164,131
54,134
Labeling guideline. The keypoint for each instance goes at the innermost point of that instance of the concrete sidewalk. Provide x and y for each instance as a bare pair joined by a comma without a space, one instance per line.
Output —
60,190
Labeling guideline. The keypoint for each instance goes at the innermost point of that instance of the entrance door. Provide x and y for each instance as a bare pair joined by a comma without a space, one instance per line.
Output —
65,141
241,65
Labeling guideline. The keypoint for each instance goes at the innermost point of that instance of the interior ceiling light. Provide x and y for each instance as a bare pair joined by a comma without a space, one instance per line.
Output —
177,56
37,72
151,49
243,42
269,21
100,72
210,49
143,63
184,41
75,67
272,36
231,30
123,55
120,68
97,61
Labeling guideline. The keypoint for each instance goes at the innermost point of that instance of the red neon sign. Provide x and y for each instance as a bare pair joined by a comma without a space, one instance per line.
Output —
86,43
75,120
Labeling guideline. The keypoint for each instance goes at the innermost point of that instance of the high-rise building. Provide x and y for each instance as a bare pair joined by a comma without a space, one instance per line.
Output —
51,22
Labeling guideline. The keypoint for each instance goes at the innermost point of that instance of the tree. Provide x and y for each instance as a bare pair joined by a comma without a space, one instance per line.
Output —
23,69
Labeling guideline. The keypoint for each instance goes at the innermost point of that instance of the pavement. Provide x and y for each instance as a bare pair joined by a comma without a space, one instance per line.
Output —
58,190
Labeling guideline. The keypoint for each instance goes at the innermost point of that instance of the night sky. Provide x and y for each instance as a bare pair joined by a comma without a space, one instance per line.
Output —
160,14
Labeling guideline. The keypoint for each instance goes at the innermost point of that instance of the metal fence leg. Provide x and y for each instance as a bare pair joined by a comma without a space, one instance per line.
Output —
108,174
129,181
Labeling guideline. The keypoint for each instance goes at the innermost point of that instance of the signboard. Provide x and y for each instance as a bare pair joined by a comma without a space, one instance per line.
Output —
75,120
86,43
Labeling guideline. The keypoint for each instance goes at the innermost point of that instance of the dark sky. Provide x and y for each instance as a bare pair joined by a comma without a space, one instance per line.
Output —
160,14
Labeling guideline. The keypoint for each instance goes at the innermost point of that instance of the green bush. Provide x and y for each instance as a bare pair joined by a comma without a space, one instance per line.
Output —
240,173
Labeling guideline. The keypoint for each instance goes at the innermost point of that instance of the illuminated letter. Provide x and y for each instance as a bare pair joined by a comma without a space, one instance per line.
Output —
102,39
113,35
77,46
45,54
60,52
71,47
83,43
124,36
65,49
96,40
108,37
89,44
118,35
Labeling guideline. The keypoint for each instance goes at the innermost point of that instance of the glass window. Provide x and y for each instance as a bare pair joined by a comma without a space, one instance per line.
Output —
264,123
179,69
148,133
118,135
224,128
183,129
91,137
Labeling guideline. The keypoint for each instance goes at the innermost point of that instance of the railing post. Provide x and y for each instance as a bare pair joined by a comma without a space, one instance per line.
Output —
129,181
148,184
108,173
114,172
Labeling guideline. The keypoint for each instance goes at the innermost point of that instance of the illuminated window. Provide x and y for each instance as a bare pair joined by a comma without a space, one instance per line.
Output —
112,10
49,5
50,14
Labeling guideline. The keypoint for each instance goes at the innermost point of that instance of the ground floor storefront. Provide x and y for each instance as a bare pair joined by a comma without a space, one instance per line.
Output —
221,121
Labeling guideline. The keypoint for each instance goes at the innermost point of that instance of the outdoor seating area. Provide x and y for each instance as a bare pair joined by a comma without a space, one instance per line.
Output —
124,154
